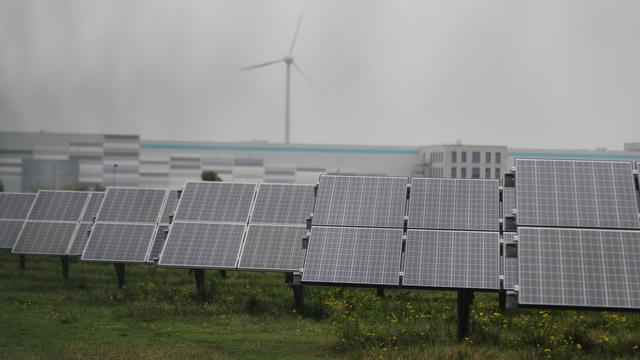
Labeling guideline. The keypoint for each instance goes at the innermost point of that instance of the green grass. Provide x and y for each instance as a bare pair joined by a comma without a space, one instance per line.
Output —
251,316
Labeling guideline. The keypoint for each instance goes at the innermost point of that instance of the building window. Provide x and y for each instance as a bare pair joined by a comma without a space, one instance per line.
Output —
475,173
498,158
454,157
498,173
487,172
487,158
463,172
454,172
463,157
475,157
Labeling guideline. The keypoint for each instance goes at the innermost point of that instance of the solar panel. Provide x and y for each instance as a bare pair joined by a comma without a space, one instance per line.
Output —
361,201
51,205
15,205
131,205
579,267
91,211
283,204
509,262
158,243
452,259
49,238
351,255
215,202
9,231
273,247
564,193
508,201
454,204
119,242
202,245
80,239
170,206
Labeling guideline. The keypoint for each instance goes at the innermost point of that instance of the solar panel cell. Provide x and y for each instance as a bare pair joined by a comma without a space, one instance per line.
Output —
50,238
454,204
215,202
202,245
9,231
15,205
579,267
576,194
452,259
119,242
283,204
361,201
350,255
273,247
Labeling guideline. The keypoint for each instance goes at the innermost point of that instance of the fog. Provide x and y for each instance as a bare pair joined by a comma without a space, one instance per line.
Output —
560,74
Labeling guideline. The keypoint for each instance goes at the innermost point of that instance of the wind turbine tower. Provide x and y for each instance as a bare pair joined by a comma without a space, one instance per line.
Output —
289,61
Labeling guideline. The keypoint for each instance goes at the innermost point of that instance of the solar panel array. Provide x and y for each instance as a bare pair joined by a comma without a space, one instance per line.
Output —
276,228
209,225
361,201
576,241
579,267
14,208
452,259
348,255
52,222
566,193
454,204
125,226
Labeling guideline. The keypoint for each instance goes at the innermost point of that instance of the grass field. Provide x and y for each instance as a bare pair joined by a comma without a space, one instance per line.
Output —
251,315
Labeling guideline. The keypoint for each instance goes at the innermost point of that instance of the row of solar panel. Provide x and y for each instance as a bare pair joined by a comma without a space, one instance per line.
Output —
365,214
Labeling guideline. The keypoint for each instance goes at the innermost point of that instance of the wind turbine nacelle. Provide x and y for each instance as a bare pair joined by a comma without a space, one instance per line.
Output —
288,59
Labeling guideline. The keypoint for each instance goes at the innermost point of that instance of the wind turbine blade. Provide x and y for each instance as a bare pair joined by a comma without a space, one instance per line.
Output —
307,78
295,35
262,65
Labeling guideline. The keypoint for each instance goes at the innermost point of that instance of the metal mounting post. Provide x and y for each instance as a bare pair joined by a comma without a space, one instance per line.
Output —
223,274
65,266
380,292
120,273
465,298
200,285
23,262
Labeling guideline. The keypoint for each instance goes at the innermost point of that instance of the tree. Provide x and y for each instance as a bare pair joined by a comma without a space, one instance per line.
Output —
210,175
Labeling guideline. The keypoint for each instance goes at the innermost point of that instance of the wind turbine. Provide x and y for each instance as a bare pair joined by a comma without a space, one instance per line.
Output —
288,60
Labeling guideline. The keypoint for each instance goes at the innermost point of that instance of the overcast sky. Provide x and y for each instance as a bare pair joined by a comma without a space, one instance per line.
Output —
561,74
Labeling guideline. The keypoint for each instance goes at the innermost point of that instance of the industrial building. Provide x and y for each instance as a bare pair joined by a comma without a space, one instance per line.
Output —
30,161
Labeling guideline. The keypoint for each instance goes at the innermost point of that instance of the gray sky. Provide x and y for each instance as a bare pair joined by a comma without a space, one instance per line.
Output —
560,74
